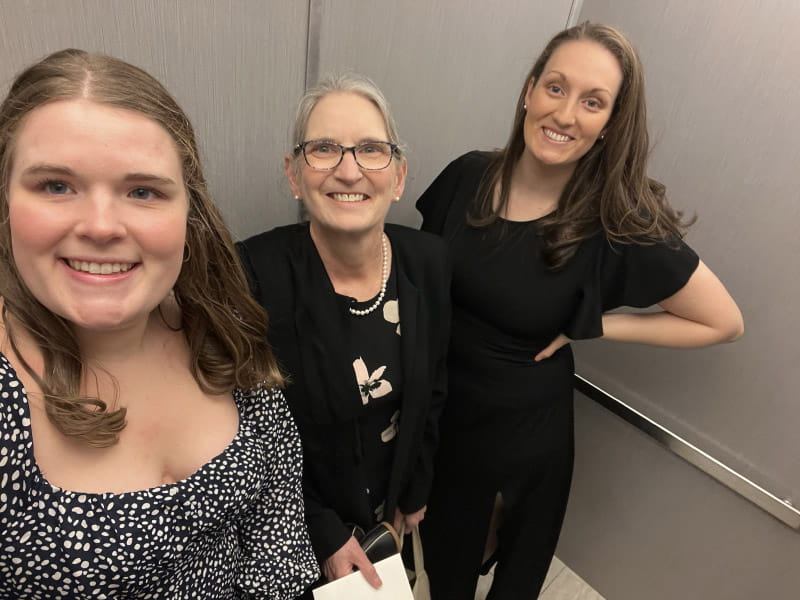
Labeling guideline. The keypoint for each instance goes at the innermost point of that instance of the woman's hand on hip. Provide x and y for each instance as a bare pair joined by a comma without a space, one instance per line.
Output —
348,558
553,347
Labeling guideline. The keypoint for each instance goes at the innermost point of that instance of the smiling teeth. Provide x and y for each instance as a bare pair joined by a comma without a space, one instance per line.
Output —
349,197
100,268
556,136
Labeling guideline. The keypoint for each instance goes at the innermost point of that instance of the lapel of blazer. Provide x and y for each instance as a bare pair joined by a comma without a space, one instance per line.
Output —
328,385
414,356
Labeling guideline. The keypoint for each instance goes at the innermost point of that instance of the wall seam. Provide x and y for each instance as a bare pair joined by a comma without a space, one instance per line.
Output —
315,8
574,12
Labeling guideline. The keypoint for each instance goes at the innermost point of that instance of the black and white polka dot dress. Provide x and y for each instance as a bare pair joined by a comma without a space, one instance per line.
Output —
233,529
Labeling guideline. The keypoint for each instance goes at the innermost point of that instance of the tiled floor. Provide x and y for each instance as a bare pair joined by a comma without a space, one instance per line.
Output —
561,584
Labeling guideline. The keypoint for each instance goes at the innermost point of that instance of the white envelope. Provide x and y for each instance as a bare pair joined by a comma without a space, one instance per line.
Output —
355,587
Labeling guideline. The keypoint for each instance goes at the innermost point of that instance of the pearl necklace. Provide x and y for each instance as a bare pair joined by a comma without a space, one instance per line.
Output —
384,278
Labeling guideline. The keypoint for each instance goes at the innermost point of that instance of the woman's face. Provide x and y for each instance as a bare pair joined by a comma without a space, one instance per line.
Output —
97,210
346,199
570,103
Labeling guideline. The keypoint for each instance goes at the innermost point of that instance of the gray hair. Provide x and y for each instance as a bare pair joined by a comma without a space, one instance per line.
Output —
350,82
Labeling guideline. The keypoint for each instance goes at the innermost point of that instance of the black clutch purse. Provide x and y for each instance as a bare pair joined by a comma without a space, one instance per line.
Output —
379,542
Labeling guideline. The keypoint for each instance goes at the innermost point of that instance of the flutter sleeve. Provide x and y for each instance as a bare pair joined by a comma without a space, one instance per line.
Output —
636,274
452,189
641,275
277,560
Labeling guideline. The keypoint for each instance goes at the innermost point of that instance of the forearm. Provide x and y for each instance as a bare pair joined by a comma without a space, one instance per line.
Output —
701,313
664,329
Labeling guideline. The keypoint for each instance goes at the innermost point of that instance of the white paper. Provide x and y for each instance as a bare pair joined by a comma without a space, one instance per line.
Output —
355,587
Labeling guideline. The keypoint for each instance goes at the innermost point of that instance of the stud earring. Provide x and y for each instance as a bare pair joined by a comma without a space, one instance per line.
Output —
524,107
297,197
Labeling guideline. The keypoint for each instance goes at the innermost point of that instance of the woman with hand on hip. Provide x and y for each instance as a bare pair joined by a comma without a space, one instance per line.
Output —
547,235
145,449
359,314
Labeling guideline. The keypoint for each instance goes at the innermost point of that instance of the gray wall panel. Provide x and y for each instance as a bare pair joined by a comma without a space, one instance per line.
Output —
643,525
451,70
235,66
718,84
721,79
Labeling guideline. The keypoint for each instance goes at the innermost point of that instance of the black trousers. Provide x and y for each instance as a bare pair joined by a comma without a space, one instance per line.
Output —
535,497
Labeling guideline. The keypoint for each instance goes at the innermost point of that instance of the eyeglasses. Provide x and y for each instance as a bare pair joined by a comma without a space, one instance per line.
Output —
325,156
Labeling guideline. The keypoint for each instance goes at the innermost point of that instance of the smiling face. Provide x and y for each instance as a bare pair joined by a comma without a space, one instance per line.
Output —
97,211
347,198
569,105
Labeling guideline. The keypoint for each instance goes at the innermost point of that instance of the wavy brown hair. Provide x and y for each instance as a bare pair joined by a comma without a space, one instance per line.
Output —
610,189
224,327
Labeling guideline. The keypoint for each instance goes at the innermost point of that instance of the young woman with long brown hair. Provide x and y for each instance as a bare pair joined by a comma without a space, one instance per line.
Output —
146,449
548,235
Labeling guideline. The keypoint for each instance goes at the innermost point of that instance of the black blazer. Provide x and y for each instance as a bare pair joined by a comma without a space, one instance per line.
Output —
308,333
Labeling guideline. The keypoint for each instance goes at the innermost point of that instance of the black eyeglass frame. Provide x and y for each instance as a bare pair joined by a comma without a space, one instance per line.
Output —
301,148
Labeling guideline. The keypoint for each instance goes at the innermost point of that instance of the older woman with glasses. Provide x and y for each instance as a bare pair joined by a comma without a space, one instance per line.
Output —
359,313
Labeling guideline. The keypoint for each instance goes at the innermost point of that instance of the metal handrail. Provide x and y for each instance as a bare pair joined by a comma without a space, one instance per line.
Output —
783,510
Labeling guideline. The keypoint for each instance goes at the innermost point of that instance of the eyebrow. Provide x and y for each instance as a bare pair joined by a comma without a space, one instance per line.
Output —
45,168
592,91
149,177
366,140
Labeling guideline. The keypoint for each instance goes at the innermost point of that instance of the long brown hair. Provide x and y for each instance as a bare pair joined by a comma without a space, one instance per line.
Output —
224,327
610,189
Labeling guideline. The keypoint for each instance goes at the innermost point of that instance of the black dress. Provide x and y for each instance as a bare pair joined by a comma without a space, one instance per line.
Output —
377,373
508,424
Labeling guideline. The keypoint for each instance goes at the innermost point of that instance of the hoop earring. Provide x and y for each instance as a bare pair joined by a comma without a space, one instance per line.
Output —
187,252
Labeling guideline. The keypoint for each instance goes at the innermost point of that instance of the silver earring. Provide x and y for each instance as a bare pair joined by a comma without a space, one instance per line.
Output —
397,198
524,107
297,197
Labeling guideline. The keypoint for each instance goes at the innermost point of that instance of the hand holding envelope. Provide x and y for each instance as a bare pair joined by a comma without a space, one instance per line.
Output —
355,587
